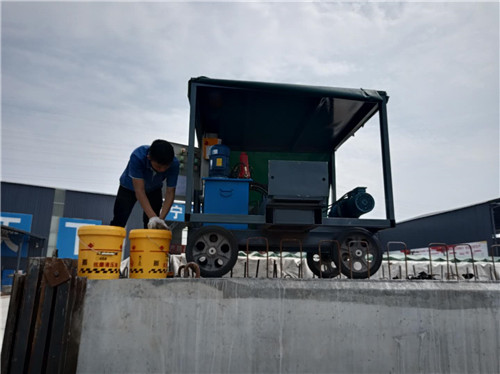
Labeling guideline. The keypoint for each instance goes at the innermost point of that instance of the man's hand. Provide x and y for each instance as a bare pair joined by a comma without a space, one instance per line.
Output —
157,223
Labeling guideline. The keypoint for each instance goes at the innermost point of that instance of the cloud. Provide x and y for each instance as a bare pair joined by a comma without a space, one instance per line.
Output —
84,83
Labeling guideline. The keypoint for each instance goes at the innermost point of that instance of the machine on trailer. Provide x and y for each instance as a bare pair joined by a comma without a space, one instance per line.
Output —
290,134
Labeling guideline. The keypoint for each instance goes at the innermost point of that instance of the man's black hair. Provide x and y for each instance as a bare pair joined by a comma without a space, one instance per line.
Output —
161,151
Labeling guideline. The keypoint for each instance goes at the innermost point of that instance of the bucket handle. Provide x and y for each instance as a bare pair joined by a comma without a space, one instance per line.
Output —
155,243
99,253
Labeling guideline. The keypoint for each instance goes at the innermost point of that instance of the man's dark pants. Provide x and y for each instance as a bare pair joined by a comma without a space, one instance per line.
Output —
125,201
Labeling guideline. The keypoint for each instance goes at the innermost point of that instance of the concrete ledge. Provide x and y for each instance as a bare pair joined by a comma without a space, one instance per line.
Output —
289,326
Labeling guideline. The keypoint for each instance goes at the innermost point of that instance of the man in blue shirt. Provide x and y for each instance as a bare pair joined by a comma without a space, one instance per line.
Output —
142,181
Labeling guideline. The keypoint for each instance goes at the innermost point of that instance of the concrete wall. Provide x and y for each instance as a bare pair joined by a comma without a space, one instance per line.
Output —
290,326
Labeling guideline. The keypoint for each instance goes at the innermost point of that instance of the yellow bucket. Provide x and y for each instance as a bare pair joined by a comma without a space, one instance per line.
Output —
149,253
100,251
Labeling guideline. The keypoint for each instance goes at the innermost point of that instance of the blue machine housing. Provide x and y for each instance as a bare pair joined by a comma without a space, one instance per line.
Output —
227,196
219,161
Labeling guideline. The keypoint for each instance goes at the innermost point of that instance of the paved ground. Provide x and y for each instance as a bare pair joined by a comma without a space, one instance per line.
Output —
4,308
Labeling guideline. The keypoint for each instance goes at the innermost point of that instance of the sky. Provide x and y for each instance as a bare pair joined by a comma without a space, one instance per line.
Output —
84,83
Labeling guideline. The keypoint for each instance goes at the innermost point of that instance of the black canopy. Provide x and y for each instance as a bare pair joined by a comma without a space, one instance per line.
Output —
273,117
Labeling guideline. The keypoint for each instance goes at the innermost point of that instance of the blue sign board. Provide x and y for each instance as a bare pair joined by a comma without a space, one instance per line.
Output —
67,236
176,213
18,221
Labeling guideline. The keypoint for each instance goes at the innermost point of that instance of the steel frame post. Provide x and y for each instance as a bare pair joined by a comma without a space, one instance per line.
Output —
386,161
190,160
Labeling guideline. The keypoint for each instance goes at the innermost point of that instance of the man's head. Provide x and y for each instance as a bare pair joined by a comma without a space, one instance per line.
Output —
161,155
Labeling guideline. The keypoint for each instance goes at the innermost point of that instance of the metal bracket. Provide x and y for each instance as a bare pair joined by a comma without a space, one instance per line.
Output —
56,272
195,270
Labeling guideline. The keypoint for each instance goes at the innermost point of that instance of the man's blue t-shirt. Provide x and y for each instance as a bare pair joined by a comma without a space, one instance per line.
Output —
140,167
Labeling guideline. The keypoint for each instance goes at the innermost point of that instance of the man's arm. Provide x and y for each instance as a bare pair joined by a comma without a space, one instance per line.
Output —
140,194
167,203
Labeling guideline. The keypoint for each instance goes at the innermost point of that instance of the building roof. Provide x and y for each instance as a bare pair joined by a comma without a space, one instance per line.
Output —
494,202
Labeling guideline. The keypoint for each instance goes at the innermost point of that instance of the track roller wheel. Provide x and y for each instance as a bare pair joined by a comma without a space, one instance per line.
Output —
214,249
360,253
328,267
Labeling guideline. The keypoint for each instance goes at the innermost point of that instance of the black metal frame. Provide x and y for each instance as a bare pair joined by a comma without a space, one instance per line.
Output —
36,247
371,224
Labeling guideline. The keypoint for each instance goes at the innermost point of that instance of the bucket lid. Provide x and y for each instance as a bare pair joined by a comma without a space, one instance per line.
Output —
102,230
150,233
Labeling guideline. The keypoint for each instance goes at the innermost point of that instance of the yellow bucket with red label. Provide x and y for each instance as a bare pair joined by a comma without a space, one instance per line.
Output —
100,251
149,253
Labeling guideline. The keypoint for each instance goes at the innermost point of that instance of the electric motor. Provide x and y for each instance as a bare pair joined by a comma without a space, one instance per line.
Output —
353,204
